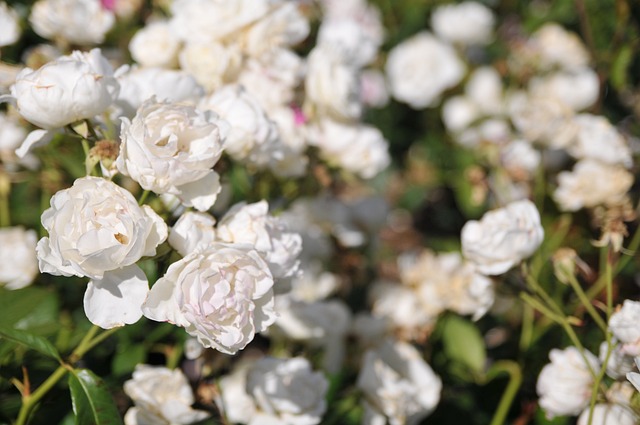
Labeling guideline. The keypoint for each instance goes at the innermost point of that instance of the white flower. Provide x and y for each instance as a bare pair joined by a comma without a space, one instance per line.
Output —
599,140
608,414
459,113
565,384
578,89
9,25
398,384
558,47
619,363
96,229
591,183
237,405
252,224
18,262
161,396
292,162
542,119
172,148
484,89
140,84
215,20
155,45
12,135
66,90
373,88
519,156
253,137
211,64
192,231
284,26
287,391
221,295
350,39
625,326
83,22
332,86
503,237
421,68
634,377
359,148
399,305
469,22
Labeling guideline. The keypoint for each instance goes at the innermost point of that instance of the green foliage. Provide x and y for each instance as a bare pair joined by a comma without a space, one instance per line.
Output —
91,400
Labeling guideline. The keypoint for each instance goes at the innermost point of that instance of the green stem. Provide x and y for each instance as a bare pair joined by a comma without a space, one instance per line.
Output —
598,378
144,196
5,190
515,380
526,335
608,279
587,303
87,343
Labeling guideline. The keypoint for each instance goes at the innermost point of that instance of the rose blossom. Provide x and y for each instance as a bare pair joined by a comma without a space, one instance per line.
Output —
9,25
608,414
66,90
421,68
211,64
557,47
192,231
469,22
161,397
18,262
398,384
172,148
287,392
155,45
592,183
96,229
253,137
81,22
565,384
625,326
598,139
252,224
503,237
221,295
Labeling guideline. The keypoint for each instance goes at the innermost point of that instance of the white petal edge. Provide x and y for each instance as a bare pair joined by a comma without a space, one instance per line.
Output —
34,139
201,194
116,299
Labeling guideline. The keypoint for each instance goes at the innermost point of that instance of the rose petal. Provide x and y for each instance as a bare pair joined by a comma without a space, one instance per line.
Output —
116,299
201,194
34,139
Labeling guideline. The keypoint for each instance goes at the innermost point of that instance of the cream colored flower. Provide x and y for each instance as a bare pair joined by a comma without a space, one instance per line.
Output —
9,25
625,326
154,45
18,262
468,22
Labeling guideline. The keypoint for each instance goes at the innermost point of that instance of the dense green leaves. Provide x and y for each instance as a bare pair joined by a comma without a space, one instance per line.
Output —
92,403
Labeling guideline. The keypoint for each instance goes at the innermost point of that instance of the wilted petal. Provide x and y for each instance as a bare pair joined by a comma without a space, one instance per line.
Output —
116,299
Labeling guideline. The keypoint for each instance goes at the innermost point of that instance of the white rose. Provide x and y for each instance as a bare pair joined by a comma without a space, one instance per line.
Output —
608,414
558,47
81,22
519,156
484,89
161,397
9,25
469,22
634,377
421,68
192,231
459,113
398,384
625,326
273,77
253,137
237,405
503,237
598,139
592,183
215,20
359,148
545,119
211,64
221,295
565,384
351,39
283,27
373,88
69,89
97,229
155,45
619,363
172,148
140,84
18,262
252,224
578,89
332,86
12,134
288,391
292,162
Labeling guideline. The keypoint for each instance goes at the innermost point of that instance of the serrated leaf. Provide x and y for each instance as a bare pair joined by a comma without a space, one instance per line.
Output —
31,341
463,342
92,403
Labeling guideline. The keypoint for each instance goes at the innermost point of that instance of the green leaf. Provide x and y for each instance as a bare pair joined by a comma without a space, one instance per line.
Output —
620,68
32,309
92,402
34,342
127,357
463,342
